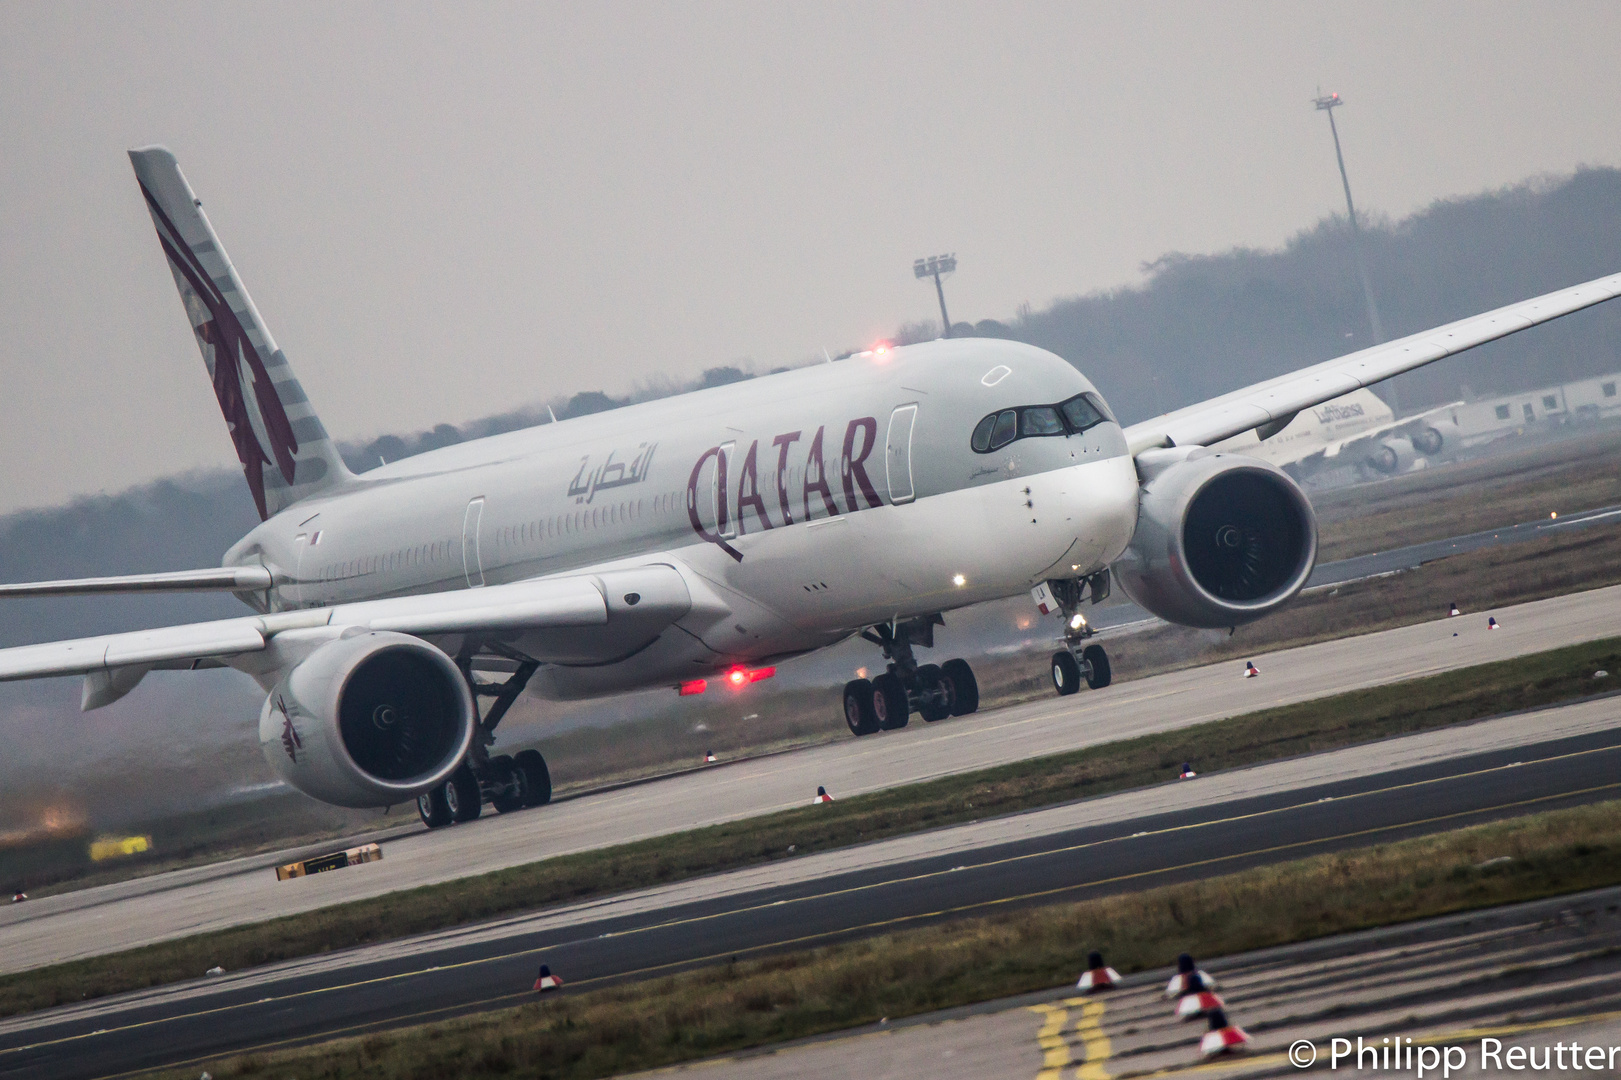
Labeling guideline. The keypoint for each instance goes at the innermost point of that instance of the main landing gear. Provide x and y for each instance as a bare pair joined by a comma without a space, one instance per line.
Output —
1077,661
933,691
506,782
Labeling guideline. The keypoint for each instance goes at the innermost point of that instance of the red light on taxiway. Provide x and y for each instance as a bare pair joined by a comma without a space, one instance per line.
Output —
693,686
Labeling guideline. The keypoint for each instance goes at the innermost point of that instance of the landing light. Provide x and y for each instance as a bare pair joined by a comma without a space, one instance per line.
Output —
1077,621
959,581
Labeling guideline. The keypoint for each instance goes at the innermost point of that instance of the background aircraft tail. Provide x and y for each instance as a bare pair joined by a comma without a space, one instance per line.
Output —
285,452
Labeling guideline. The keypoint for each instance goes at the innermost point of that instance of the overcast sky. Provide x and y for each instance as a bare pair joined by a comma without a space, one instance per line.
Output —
443,211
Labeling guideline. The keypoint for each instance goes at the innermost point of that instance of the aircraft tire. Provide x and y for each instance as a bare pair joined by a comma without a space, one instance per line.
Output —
930,678
1098,673
889,702
504,772
1066,673
964,687
433,809
858,714
462,795
537,779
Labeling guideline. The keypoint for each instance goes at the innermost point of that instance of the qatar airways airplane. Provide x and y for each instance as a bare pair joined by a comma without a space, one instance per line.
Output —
399,613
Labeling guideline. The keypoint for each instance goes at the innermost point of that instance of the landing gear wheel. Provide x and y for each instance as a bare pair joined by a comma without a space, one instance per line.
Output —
938,695
433,809
1097,661
1066,673
964,687
537,779
462,794
889,702
858,714
511,780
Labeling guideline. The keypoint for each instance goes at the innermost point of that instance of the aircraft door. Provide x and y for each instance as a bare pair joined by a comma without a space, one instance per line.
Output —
898,454
472,562
718,500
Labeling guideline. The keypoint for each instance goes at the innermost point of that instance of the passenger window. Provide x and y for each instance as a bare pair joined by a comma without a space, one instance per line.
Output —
1005,430
1502,412
1549,401
1609,389
1040,420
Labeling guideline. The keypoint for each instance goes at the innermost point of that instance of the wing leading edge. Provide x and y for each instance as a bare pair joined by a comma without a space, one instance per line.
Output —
1279,399
553,602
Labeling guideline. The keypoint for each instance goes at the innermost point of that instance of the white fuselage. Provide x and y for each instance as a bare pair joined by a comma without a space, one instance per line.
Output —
798,507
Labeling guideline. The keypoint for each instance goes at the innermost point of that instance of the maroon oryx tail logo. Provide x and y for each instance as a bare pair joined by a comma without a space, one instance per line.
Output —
224,333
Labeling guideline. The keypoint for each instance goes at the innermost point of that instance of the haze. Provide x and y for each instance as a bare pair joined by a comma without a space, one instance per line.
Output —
446,211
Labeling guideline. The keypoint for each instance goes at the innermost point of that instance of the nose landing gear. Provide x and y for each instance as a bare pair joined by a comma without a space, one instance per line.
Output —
933,691
1076,661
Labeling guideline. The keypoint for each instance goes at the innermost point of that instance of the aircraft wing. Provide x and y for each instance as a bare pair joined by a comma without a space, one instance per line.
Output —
217,579
1275,401
546,602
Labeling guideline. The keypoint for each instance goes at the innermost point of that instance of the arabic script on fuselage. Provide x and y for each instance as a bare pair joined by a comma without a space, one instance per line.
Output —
611,473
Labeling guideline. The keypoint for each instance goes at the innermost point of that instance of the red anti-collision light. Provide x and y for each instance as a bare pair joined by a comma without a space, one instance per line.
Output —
694,686
739,677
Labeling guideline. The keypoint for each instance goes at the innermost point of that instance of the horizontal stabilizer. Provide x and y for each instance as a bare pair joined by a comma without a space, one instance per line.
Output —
223,579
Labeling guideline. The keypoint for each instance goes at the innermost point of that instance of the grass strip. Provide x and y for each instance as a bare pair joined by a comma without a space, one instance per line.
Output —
734,1006
1359,716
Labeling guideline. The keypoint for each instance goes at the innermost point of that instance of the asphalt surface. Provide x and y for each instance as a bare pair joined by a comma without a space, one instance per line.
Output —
1461,989
93,921
148,1031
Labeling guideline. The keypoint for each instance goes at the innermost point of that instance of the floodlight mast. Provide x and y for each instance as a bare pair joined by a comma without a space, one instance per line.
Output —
937,266
1328,104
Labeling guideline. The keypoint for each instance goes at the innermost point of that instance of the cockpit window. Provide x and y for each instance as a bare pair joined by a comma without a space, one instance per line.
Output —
1081,413
1074,416
1006,426
1040,420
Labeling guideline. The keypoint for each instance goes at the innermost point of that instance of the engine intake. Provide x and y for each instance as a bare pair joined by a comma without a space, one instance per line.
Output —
1221,539
369,720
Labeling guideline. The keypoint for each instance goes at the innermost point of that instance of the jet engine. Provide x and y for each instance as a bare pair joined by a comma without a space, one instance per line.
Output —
1221,538
1391,456
1427,441
371,719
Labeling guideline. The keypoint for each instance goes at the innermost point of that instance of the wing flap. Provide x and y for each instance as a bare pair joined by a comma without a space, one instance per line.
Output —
227,637
559,602
1230,414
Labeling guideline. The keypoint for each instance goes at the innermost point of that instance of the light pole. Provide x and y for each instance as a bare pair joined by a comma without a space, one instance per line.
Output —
937,266
1329,104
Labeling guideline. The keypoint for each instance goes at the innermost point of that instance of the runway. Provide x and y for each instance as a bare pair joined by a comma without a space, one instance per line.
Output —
1536,976
131,913
966,870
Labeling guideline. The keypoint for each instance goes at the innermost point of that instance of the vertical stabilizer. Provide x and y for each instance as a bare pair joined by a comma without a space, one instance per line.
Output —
285,452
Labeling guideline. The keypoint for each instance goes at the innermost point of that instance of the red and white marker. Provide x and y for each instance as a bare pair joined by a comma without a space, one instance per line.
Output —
1453,610
1491,623
821,797
546,981
1187,771
1183,982
18,897
1203,1003
709,757
1250,670
1098,976
1223,1038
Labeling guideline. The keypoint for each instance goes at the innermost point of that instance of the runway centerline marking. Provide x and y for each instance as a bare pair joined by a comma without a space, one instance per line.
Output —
883,923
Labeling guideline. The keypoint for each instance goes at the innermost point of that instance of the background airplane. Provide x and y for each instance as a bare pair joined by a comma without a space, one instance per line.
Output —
400,613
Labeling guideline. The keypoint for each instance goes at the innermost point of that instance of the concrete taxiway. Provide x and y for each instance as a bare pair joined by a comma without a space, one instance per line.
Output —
1176,831
1542,977
131,913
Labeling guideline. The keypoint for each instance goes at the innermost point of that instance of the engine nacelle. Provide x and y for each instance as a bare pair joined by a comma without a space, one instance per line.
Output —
369,720
1221,539
1391,456
1428,441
